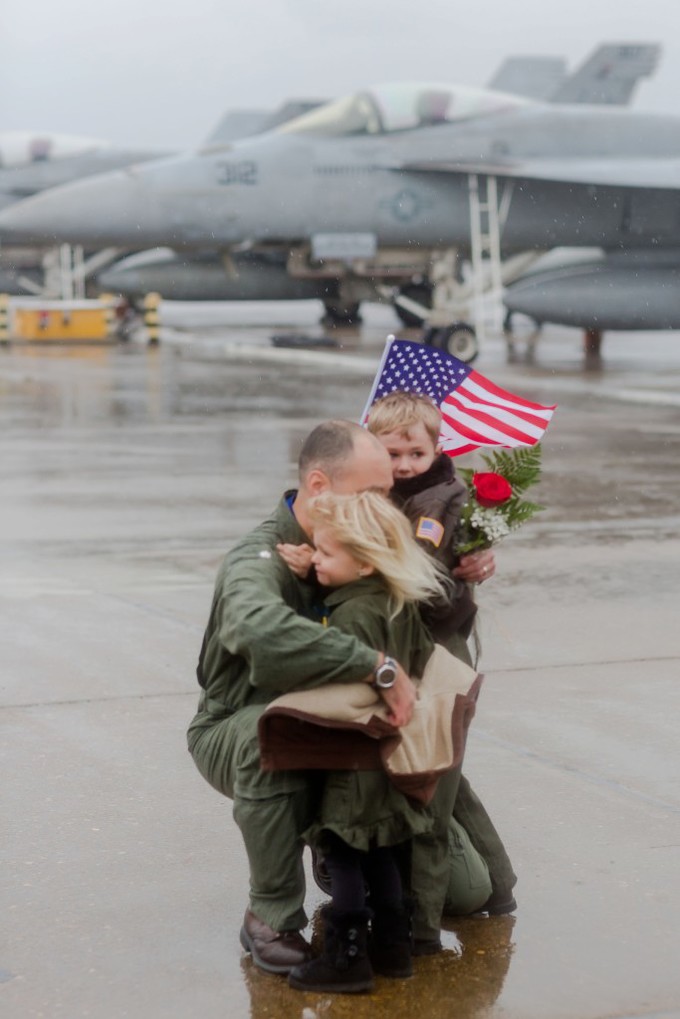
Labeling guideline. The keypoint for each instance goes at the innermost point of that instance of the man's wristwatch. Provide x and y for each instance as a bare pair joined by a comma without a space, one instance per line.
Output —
385,675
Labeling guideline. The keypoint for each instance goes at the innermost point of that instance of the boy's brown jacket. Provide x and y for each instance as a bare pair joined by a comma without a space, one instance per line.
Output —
438,496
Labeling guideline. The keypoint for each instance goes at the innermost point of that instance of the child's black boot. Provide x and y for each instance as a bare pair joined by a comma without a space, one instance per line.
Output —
390,945
344,966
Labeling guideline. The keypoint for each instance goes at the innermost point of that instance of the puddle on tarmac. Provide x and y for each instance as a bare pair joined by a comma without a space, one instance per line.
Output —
464,980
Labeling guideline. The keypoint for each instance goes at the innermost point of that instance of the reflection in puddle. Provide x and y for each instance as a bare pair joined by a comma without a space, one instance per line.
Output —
464,980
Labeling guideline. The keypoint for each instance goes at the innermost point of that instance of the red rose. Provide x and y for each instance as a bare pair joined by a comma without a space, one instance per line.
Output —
491,489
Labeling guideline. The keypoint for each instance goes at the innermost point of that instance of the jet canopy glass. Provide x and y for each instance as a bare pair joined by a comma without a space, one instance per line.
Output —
400,106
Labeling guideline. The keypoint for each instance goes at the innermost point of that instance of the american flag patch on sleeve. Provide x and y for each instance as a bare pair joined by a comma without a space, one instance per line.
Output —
430,530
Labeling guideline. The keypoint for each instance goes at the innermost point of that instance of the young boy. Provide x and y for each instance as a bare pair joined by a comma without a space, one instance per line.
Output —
427,490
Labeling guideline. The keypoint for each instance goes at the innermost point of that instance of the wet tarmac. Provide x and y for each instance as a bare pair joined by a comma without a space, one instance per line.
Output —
126,473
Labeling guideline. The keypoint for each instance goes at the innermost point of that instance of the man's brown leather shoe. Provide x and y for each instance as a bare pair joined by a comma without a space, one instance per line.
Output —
273,951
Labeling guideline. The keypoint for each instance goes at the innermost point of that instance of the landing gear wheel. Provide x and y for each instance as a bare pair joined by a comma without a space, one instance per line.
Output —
338,314
519,328
459,340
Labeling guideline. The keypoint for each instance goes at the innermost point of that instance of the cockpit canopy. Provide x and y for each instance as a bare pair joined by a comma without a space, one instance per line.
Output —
400,106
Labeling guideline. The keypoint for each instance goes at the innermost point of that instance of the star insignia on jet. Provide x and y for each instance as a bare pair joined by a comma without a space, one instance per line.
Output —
406,205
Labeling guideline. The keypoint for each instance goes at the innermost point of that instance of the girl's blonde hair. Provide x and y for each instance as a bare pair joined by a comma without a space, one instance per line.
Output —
376,533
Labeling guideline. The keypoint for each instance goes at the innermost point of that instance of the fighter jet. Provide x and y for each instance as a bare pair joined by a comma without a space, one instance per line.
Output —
31,162
389,171
609,75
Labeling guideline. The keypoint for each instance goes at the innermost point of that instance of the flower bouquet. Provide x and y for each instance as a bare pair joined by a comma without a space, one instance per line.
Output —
494,507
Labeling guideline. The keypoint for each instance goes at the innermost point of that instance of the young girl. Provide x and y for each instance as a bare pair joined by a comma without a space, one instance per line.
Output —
365,553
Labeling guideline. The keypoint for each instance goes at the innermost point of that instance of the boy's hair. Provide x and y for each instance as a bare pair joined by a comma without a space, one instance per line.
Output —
328,447
400,411
375,532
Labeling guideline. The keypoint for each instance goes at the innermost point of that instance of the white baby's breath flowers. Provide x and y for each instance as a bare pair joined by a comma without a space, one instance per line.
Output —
490,522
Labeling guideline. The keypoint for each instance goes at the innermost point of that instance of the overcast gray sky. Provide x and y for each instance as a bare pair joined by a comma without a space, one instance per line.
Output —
161,72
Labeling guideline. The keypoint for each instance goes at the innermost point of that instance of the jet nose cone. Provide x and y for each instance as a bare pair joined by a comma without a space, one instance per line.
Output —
112,208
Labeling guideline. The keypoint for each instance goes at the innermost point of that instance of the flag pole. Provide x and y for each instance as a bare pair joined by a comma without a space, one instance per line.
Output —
388,343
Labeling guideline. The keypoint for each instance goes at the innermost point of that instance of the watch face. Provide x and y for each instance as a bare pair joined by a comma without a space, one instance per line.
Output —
385,676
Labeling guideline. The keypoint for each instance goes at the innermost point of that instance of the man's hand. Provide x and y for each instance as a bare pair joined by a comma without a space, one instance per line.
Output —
476,567
297,557
400,698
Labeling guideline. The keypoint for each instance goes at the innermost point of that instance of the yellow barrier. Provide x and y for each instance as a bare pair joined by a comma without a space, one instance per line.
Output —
62,321
4,318
109,305
152,317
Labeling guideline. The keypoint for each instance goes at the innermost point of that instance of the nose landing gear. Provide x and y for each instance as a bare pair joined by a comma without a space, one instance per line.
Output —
458,339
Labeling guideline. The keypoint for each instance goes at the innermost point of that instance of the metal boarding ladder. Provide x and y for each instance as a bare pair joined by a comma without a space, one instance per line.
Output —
486,221
62,269
65,270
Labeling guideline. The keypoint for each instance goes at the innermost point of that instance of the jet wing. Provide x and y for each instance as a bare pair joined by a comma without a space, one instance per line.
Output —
663,174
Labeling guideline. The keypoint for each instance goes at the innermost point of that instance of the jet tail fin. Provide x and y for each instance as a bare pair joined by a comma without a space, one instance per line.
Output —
533,77
610,75
236,124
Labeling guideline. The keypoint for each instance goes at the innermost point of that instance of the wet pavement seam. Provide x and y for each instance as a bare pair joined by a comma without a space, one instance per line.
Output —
75,701
571,769
583,664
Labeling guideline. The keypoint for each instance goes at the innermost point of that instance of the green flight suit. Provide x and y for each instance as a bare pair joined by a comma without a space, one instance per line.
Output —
257,645
262,639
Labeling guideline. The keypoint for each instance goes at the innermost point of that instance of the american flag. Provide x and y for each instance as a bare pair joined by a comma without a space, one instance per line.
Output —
475,412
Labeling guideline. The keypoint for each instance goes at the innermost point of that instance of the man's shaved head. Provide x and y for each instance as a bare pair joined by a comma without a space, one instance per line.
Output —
346,458
328,447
